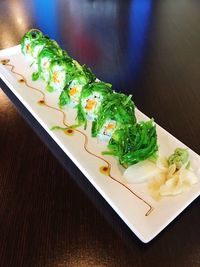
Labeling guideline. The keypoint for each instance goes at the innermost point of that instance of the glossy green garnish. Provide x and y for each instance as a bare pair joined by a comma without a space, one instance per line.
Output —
28,38
49,53
58,65
76,81
133,143
116,107
95,91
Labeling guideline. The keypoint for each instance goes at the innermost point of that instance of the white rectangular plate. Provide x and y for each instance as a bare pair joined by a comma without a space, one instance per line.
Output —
130,208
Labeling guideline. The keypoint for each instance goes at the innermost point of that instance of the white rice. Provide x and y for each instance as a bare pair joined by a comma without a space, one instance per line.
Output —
74,99
92,114
45,63
58,86
105,134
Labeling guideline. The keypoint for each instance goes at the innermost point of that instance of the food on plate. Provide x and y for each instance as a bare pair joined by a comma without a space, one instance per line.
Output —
49,53
37,45
27,40
142,172
90,101
116,111
60,70
133,143
179,158
51,63
71,93
167,176
177,181
177,178
112,115
33,42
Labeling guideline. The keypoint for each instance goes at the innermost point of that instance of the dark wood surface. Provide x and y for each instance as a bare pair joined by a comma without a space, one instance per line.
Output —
50,216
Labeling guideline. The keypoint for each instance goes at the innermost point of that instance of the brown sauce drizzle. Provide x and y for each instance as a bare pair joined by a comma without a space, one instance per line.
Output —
69,132
41,102
5,61
106,170
21,81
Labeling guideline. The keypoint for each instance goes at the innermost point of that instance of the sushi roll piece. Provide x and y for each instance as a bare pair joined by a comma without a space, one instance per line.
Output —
33,43
71,93
116,110
49,53
60,71
133,143
26,41
37,46
91,98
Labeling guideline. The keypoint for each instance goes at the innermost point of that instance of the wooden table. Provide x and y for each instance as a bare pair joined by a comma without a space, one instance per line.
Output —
50,215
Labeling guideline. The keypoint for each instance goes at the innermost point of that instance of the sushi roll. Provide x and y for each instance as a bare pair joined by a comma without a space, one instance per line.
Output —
116,111
133,143
112,114
26,41
37,46
32,44
71,93
91,98
49,53
60,71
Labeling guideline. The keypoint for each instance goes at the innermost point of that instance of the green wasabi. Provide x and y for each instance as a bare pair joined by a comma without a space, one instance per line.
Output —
179,158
